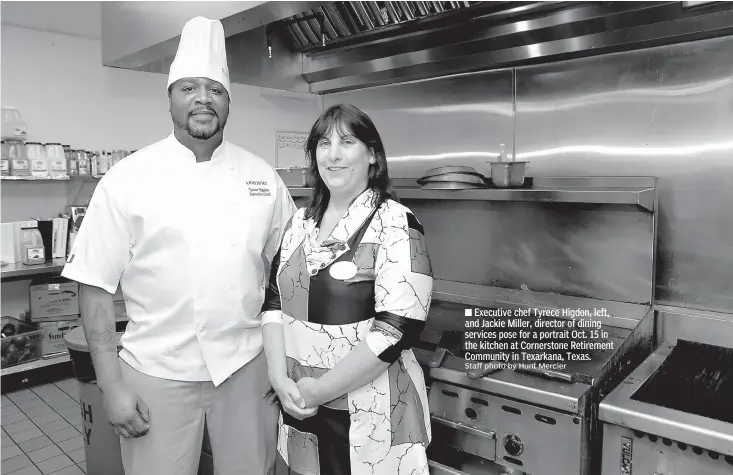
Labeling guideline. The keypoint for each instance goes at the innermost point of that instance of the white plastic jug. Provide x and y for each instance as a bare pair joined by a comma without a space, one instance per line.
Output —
37,158
56,159
13,127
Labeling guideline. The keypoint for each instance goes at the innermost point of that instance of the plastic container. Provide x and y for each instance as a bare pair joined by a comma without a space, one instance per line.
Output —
56,159
19,165
116,157
101,443
31,244
13,126
37,158
83,162
72,162
103,159
5,162
21,342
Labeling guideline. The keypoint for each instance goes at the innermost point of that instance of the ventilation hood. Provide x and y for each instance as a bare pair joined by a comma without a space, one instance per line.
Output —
326,47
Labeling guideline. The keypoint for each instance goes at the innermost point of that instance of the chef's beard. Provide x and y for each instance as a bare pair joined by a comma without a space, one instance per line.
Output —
204,132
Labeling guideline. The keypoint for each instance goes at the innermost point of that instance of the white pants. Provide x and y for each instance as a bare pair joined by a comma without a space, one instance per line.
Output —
242,426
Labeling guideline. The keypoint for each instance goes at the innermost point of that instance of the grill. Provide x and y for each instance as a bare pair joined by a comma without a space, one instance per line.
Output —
590,263
514,422
674,413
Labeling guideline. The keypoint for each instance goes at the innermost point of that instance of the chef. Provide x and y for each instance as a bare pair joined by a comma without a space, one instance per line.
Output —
186,226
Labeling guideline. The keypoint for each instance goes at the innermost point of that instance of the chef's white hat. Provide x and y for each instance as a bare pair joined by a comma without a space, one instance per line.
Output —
201,53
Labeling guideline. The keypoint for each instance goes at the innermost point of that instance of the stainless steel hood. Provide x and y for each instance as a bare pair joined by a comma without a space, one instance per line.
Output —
326,47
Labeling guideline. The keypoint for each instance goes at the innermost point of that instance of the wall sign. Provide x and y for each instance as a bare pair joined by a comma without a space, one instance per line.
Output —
290,149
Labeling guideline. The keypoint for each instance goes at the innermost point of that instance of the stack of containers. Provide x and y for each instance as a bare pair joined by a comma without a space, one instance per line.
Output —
14,134
54,159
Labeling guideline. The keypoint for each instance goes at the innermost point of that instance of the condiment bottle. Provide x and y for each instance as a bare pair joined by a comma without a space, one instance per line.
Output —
116,156
83,162
72,162
31,243
102,162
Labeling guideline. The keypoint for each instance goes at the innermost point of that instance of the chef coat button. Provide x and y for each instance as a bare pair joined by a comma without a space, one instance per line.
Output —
323,265
314,272
342,246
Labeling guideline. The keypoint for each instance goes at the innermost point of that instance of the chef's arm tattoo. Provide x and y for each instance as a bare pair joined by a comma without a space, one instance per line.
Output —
102,331
98,320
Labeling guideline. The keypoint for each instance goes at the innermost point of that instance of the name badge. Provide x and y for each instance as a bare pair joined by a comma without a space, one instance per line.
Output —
342,270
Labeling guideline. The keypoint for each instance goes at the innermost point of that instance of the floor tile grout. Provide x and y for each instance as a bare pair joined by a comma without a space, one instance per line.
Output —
52,442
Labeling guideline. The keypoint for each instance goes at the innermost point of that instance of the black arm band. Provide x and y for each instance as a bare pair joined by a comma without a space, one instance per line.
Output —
410,329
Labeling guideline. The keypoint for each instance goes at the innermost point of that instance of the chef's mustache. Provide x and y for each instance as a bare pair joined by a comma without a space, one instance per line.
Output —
203,109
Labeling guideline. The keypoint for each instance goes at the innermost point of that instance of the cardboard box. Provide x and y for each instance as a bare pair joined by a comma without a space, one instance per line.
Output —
53,335
53,299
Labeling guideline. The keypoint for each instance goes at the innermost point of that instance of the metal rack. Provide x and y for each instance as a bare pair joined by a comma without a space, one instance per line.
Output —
18,270
594,190
37,364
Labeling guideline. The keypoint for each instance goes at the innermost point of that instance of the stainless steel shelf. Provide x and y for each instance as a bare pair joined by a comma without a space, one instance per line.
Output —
18,269
50,178
31,365
35,178
638,191
642,198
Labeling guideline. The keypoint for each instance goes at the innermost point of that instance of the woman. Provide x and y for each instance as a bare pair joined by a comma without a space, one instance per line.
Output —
349,293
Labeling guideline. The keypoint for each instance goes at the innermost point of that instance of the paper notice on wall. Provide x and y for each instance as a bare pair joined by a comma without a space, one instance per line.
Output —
290,149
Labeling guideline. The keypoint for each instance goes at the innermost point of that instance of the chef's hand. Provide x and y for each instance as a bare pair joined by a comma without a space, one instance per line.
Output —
308,391
290,398
126,411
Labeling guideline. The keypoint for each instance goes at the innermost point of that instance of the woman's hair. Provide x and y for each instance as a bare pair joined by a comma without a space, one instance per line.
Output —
347,119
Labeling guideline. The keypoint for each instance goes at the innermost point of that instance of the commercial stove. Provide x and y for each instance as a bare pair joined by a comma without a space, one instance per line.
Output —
674,414
589,257
512,421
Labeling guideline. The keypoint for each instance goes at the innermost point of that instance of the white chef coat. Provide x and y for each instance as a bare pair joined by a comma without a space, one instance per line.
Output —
186,241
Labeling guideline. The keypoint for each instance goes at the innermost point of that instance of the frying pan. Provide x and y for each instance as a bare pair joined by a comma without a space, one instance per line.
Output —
473,178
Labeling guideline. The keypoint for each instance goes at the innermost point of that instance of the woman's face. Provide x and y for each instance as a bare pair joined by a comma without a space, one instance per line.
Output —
343,162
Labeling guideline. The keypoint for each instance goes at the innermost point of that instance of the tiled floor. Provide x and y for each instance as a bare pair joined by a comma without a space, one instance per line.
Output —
41,431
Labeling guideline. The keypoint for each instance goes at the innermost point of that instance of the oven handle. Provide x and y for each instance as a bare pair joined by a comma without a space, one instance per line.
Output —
441,469
466,429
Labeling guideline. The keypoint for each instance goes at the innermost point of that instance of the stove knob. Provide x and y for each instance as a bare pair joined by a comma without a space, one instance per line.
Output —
513,445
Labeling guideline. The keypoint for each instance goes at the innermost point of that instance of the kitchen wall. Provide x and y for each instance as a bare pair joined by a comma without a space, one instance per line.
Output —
665,112
65,95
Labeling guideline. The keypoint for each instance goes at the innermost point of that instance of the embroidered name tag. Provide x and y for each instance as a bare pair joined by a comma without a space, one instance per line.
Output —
258,188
